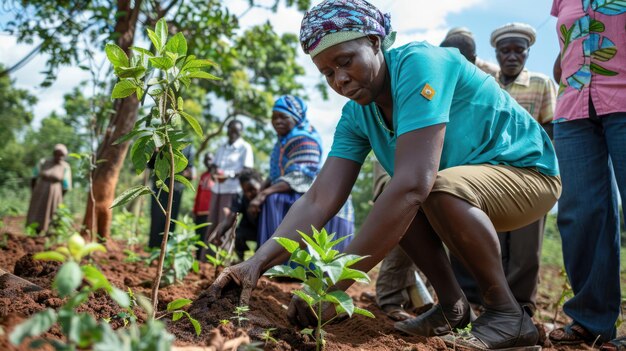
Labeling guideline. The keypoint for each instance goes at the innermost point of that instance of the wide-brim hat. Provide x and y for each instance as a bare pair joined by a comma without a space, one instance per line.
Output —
514,30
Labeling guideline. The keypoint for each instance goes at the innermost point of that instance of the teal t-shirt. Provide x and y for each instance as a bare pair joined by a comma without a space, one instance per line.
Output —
432,85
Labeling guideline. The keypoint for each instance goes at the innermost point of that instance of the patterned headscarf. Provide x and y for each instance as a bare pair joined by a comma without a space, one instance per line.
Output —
292,106
301,149
336,21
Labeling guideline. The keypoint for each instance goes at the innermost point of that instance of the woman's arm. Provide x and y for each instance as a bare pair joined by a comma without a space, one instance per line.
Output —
416,164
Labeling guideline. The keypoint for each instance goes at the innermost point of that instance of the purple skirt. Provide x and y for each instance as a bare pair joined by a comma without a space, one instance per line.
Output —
276,206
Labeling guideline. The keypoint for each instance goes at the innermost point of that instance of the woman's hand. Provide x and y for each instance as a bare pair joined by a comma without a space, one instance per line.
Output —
255,205
245,275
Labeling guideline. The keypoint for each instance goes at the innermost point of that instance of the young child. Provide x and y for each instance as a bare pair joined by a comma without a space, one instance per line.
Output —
250,181
203,195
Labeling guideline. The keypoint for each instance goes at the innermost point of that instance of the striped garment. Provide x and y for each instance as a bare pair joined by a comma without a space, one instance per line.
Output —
535,92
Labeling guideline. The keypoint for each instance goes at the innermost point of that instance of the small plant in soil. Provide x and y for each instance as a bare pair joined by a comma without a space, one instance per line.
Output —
266,336
220,257
160,74
566,293
174,308
76,283
320,268
240,314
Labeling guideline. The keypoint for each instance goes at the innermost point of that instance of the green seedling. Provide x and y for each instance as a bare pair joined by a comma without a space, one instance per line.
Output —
220,257
240,312
267,336
75,283
320,268
174,308
224,321
566,293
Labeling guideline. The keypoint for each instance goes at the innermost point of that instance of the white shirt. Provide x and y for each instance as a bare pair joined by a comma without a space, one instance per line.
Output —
232,159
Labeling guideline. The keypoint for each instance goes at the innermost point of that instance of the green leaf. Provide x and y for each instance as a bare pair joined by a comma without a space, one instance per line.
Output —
142,51
177,304
38,324
202,75
192,122
333,270
301,257
120,297
140,153
288,244
342,299
605,54
314,249
122,89
363,312
197,64
130,194
307,331
159,139
595,68
301,294
154,39
92,247
180,103
280,271
177,44
68,278
355,275
196,325
196,265
95,278
179,178
116,55
161,31
49,256
130,72
180,161
177,315
162,63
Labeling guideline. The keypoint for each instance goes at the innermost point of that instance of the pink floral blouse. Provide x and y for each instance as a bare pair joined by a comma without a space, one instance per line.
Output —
592,36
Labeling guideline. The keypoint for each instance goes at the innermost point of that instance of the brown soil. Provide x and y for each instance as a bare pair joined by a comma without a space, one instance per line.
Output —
267,305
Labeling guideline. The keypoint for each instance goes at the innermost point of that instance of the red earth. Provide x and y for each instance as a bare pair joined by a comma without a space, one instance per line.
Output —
267,305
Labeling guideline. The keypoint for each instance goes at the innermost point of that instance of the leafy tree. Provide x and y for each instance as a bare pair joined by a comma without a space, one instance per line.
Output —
255,64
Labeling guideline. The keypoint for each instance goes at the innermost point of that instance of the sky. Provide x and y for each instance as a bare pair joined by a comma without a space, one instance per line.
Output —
414,20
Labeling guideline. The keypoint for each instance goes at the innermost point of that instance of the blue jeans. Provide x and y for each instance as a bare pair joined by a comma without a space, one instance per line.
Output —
592,160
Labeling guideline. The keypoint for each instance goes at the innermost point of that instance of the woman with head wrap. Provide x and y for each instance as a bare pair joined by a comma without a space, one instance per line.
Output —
294,164
51,179
464,157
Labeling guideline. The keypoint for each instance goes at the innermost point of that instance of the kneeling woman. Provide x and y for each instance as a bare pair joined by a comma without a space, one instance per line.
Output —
465,159
294,164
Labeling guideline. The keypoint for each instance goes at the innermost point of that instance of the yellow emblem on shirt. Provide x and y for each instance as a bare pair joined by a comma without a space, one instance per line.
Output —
428,92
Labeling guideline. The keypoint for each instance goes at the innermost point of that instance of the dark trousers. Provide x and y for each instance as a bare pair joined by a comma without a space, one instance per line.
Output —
157,217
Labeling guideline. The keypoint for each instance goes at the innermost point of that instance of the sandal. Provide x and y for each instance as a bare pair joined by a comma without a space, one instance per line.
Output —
437,322
396,313
571,334
618,344
500,330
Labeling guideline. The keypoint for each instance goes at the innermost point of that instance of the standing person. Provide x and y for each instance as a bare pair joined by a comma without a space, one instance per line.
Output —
157,217
51,179
203,194
589,135
294,163
465,160
231,158
535,92
463,39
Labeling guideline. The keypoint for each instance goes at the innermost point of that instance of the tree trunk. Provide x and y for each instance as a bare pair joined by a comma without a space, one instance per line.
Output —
111,157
